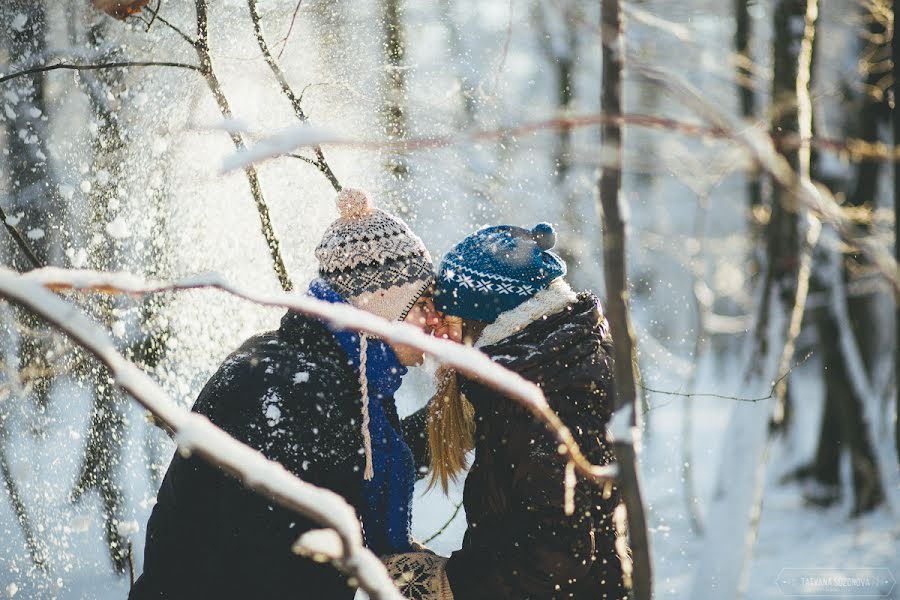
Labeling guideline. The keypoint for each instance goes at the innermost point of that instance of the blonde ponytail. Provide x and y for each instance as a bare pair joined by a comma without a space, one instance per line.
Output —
451,429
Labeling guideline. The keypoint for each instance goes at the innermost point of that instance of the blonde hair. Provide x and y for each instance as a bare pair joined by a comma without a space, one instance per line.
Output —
451,420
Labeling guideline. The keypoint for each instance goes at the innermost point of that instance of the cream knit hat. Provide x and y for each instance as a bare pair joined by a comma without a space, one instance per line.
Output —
373,259
377,264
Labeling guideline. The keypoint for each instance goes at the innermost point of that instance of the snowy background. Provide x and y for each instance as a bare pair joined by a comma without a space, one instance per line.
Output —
468,65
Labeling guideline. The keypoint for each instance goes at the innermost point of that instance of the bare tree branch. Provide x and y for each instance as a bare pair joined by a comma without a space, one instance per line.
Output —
771,394
320,162
98,66
262,208
177,30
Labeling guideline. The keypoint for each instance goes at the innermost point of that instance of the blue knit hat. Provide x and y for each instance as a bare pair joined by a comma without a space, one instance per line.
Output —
495,270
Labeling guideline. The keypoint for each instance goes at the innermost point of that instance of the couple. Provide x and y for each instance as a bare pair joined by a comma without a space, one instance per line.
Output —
321,402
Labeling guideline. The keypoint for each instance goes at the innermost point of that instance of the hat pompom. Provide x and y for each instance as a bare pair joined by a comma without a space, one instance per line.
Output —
544,235
353,203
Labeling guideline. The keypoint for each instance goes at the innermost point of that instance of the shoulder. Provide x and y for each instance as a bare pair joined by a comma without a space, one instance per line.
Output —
276,386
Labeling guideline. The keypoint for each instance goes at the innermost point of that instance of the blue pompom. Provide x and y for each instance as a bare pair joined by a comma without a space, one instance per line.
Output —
544,235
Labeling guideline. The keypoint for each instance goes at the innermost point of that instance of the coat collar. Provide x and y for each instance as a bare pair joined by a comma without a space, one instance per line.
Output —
548,301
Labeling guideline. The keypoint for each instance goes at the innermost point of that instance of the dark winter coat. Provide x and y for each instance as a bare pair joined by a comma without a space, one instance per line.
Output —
519,543
293,395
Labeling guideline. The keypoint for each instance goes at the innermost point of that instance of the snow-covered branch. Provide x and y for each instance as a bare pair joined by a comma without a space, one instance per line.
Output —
194,433
460,357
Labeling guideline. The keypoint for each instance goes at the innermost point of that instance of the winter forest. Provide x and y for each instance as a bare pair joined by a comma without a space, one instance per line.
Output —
721,174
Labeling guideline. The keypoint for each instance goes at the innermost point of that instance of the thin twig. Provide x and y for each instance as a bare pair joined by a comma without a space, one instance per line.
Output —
154,13
287,36
98,66
215,86
20,241
174,28
304,159
735,398
286,89
445,525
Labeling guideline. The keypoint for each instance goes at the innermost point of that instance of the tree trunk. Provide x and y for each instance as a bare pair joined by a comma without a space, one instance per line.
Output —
32,191
615,271
32,210
102,457
743,37
895,113
736,504
865,116
394,109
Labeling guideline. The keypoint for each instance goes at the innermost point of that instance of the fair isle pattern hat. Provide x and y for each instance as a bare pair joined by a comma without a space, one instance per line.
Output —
495,270
373,259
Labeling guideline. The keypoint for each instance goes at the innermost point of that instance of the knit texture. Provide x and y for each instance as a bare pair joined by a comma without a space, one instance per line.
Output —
419,575
387,516
373,259
495,270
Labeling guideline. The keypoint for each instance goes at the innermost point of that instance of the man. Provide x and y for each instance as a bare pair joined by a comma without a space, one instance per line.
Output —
300,396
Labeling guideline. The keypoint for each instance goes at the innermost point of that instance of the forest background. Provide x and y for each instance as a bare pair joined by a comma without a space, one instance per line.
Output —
760,243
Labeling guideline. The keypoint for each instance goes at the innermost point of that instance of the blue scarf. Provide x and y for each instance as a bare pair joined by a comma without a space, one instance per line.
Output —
387,514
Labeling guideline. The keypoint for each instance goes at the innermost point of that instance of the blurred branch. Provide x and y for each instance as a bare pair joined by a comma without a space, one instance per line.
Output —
36,547
851,149
762,148
98,66
286,89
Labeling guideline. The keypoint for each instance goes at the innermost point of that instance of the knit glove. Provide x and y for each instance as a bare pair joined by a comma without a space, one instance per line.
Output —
420,547
419,575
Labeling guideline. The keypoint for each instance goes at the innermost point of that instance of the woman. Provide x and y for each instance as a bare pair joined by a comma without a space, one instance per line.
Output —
503,291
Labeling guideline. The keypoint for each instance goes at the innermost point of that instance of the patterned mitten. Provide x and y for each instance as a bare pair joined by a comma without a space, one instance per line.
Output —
419,575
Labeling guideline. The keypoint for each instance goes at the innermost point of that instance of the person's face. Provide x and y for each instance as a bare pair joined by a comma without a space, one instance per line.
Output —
424,316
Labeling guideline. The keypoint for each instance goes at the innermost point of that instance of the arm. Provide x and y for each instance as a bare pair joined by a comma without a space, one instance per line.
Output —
312,429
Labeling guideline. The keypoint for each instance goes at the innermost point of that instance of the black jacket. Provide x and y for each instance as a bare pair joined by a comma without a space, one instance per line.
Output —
519,543
293,395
